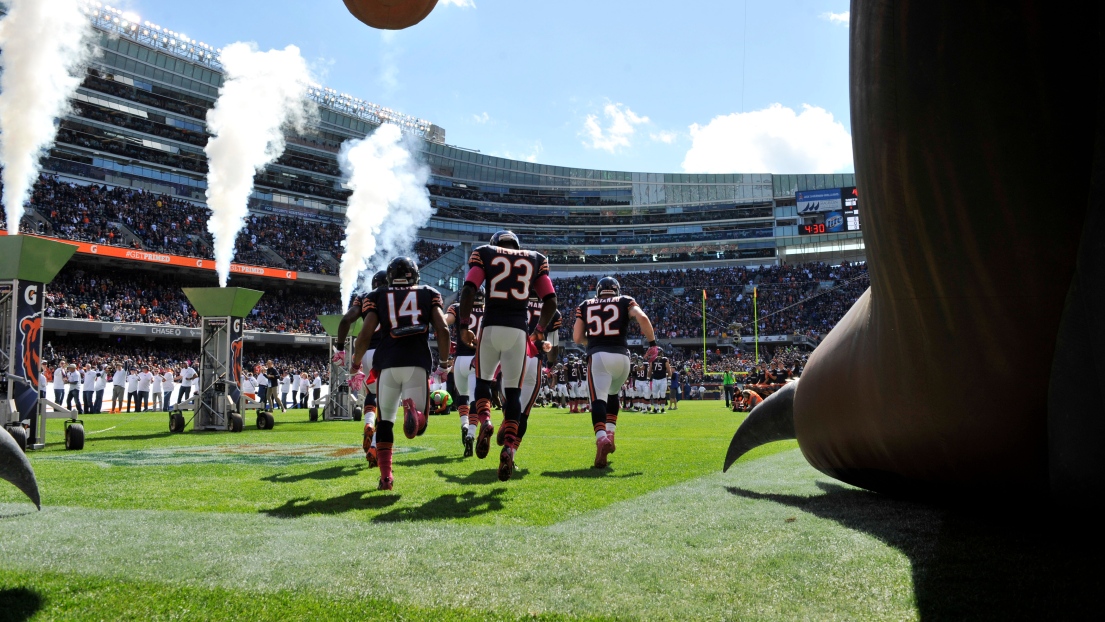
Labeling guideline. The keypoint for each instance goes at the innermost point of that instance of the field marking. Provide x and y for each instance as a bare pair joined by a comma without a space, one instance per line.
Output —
691,550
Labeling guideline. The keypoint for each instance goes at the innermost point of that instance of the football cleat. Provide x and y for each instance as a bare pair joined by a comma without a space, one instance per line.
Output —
410,418
386,483
370,456
483,441
602,449
506,464
366,445
468,442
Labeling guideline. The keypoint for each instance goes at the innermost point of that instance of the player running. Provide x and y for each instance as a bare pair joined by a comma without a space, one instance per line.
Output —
602,323
536,351
510,275
463,375
404,311
358,311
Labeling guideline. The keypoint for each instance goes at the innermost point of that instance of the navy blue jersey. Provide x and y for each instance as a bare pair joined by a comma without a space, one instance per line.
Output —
475,322
606,323
660,368
358,303
534,311
509,277
404,315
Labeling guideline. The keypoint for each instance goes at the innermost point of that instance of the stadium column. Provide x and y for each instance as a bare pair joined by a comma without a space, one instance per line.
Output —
27,264
338,404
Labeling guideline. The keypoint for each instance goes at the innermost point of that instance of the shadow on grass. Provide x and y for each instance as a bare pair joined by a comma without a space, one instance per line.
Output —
428,460
461,505
19,603
357,500
973,563
590,473
485,476
334,472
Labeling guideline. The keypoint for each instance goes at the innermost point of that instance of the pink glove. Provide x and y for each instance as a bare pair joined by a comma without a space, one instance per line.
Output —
339,358
356,380
652,353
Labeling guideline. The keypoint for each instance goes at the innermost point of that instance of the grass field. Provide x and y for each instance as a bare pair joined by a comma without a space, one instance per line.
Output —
286,524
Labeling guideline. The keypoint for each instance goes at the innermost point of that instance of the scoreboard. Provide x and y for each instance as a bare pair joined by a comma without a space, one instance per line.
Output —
841,220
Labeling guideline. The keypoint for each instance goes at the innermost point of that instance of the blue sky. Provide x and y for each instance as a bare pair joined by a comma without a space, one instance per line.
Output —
612,84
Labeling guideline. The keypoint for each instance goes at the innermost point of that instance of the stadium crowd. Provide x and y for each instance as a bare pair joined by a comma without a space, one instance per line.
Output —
165,224
792,299
133,297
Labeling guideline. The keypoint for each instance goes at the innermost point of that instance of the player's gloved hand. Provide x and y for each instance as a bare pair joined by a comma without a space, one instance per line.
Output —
356,379
339,357
653,351
543,346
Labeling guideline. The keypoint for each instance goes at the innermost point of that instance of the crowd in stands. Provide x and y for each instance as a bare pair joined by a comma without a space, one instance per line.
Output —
637,215
166,224
135,297
792,299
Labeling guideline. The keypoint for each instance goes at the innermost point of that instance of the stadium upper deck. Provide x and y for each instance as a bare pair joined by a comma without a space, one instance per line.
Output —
138,120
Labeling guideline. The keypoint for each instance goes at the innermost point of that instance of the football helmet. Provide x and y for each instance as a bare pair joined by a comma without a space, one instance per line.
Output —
379,279
480,298
505,239
608,285
402,271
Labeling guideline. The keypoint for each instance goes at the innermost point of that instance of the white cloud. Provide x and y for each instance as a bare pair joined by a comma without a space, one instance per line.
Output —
772,140
664,136
464,4
481,118
836,18
617,133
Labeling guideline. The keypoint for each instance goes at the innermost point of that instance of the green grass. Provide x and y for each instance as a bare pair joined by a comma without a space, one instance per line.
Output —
133,530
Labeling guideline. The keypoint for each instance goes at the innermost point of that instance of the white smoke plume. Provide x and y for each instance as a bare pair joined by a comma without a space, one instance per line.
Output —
389,202
44,43
263,92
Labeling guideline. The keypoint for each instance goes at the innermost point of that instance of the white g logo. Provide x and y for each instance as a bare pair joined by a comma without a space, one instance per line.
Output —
237,325
31,295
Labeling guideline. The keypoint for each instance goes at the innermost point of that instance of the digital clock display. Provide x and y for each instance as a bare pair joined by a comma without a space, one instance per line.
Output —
812,229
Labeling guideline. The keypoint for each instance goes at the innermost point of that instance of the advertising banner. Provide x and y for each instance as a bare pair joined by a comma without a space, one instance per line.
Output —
103,250
237,339
27,360
812,201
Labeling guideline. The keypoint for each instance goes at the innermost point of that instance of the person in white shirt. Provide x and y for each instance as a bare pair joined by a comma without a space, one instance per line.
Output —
101,384
132,389
118,388
59,384
304,384
88,388
155,391
262,388
316,389
41,384
295,390
167,388
285,386
73,380
187,377
145,378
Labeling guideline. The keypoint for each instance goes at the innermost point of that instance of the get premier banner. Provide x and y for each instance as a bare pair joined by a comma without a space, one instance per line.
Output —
104,250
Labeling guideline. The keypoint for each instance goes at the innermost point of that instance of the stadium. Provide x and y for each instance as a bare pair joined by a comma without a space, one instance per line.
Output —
742,275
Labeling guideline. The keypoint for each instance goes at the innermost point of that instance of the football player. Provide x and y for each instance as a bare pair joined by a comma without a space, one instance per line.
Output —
404,312
536,351
660,370
463,375
640,388
510,275
573,385
357,310
562,385
602,323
